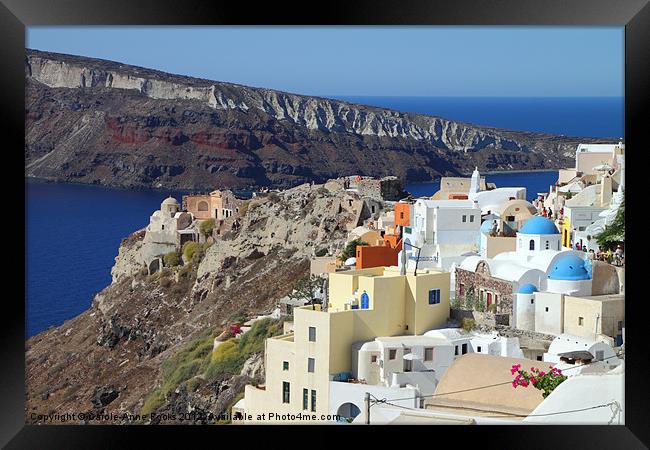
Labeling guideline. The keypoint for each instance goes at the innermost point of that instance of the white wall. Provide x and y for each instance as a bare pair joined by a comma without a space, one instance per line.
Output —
551,321
582,216
540,240
341,392
524,307
443,357
580,393
569,287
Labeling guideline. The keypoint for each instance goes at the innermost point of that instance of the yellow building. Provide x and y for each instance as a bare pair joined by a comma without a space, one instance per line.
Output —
593,317
363,304
566,232
219,205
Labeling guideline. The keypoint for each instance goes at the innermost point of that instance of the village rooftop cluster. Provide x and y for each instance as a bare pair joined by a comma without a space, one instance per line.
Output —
472,306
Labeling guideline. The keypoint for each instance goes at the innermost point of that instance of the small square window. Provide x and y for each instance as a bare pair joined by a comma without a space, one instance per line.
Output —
464,218
312,334
428,354
456,350
434,296
546,309
532,301
471,218
392,354
373,358
285,365
311,362
478,349
581,321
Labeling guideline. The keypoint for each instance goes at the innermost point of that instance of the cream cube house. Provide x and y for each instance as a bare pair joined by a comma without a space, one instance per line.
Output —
363,304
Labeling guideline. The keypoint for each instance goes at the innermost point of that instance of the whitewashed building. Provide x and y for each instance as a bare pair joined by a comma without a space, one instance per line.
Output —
442,230
492,200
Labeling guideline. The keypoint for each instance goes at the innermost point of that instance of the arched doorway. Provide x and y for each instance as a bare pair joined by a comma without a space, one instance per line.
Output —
348,411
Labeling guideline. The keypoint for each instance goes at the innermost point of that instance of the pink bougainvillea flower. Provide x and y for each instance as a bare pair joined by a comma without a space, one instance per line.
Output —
514,384
541,374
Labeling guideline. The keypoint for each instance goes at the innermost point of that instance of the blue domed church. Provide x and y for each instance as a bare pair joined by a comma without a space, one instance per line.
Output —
528,284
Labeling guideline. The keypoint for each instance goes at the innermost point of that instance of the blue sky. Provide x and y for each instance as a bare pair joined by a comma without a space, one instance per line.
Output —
380,61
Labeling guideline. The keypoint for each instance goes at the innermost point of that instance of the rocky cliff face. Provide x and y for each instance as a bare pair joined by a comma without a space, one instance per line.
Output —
96,121
108,359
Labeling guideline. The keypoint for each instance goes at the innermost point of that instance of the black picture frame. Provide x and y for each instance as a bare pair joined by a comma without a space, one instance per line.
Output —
634,15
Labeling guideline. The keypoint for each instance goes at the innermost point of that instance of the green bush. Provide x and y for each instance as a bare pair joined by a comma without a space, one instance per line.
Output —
206,227
226,360
350,250
615,233
238,317
197,357
153,401
468,323
171,259
480,304
470,299
189,250
188,362
253,341
229,357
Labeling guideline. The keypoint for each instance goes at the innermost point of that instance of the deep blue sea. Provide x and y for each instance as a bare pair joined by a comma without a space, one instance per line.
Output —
534,182
73,231
570,116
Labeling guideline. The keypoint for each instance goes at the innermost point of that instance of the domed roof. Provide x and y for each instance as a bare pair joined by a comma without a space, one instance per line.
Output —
571,267
486,226
527,288
539,225
170,201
